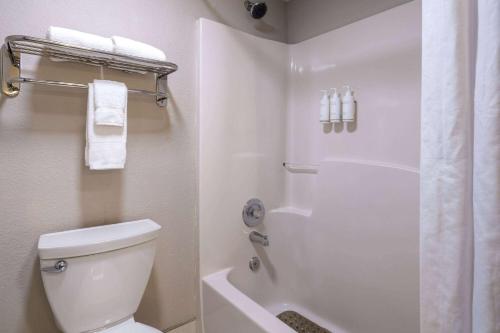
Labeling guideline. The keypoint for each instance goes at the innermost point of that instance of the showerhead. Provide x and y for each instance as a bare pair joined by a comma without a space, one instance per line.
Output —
256,9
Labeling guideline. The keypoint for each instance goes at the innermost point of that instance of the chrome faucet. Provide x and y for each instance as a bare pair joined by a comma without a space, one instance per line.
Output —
257,237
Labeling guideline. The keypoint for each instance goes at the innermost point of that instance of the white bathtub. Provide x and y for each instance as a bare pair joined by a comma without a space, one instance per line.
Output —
227,309
350,270
239,300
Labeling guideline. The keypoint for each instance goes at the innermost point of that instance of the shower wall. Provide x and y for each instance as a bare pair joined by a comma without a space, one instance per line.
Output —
380,58
242,105
362,205
358,230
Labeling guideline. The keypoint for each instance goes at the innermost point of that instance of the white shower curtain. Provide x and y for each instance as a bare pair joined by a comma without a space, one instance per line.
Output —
460,167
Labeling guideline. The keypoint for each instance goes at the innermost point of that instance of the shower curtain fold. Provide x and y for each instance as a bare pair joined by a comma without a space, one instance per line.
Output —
486,191
460,167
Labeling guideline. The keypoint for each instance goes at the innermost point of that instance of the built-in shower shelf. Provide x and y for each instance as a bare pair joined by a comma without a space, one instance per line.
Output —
292,210
17,45
301,168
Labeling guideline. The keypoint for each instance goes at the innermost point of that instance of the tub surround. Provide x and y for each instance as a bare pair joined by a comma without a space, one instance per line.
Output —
380,58
342,238
241,137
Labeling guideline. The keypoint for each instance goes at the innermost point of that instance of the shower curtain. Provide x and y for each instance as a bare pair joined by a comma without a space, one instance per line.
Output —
460,167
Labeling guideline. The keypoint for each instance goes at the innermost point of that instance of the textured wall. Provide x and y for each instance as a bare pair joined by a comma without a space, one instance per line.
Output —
310,18
44,186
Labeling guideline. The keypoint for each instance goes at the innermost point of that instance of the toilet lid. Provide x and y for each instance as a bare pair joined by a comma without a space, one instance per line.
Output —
130,326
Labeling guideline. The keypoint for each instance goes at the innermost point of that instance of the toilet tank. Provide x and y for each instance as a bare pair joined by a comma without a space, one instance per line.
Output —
107,270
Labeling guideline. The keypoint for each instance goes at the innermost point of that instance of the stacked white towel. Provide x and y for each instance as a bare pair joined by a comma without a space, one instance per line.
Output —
116,44
134,48
106,145
110,100
78,38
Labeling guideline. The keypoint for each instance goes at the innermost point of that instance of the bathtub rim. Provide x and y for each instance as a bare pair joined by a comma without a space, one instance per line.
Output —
219,282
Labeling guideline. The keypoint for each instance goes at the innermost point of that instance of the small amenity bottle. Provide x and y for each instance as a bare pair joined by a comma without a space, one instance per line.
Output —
335,107
324,109
348,106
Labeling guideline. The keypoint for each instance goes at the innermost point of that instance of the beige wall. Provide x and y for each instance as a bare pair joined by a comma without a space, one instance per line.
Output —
44,186
310,18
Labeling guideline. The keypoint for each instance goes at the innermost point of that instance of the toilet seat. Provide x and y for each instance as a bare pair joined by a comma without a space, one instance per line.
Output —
130,326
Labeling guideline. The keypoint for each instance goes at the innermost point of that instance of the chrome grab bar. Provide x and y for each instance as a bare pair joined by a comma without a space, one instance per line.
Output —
59,267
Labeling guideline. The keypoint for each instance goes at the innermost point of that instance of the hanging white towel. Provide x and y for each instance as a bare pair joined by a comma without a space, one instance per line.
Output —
110,100
106,145
78,38
134,48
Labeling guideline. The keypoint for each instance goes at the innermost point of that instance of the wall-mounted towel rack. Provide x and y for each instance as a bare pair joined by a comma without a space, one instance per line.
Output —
16,45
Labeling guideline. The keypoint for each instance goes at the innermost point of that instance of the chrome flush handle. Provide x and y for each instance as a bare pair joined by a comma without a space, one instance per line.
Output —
59,267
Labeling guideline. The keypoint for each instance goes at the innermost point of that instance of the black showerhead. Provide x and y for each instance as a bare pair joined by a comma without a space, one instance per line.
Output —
256,9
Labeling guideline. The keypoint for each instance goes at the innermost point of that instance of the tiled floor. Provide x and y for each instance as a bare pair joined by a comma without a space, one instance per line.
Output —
188,328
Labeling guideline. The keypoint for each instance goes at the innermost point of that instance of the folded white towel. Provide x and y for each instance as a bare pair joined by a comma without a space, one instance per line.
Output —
110,100
78,38
106,145
131,47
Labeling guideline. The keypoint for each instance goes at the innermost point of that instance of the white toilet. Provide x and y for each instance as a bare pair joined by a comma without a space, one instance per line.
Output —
94,278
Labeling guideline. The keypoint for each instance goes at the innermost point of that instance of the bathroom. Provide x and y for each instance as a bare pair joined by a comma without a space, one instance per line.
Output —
284,166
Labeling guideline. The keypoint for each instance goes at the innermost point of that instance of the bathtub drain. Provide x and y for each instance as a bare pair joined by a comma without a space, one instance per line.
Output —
300,323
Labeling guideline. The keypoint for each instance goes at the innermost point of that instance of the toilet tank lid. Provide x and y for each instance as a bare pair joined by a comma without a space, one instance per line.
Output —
87,241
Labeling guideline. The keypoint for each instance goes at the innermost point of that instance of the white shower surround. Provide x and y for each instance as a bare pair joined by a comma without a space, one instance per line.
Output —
344,242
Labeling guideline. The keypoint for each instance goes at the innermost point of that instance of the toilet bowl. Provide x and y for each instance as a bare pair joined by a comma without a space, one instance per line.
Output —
94,278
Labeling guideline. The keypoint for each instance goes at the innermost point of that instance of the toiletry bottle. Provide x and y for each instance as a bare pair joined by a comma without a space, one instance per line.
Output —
348,106
324,109
335,107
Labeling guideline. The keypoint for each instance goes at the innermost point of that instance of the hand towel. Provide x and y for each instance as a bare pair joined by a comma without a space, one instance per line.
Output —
106,145
110,100
131,47
78,38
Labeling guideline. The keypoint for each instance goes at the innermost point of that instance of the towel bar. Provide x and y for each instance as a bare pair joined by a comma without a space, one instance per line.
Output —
14,46
78,85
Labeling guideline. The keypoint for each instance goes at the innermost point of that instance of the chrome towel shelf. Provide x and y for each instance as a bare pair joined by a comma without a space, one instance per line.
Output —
16,45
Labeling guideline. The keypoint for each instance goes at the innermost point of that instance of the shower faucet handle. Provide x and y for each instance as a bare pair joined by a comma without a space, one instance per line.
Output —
253,212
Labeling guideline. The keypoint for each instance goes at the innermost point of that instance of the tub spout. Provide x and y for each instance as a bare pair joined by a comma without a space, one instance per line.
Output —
257,237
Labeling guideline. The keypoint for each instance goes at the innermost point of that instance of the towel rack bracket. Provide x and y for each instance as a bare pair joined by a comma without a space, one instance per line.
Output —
10,69
161,90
